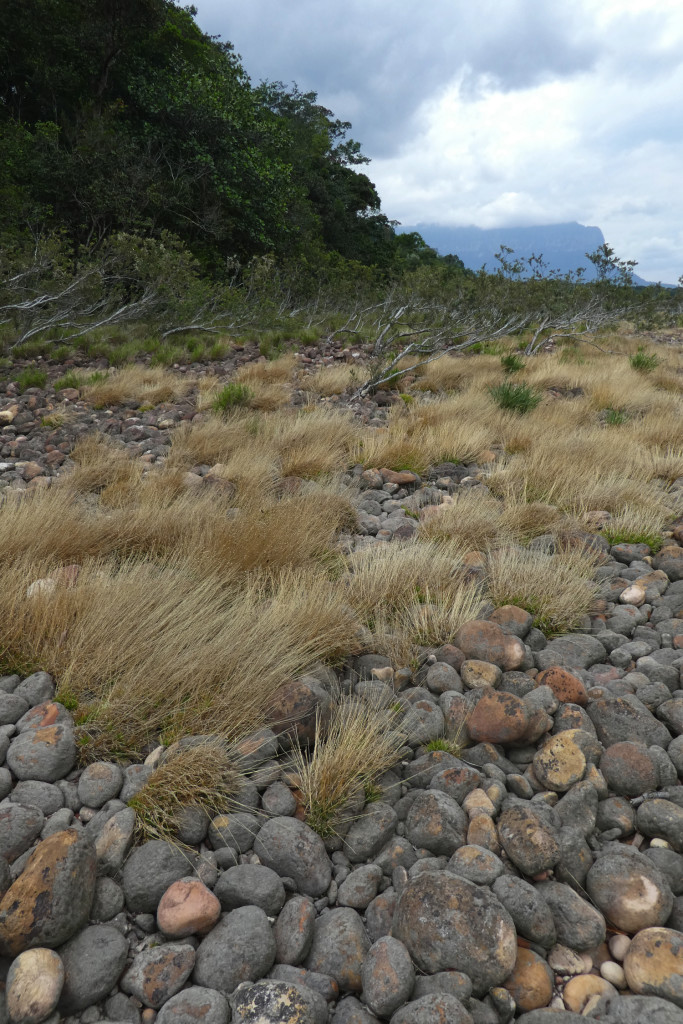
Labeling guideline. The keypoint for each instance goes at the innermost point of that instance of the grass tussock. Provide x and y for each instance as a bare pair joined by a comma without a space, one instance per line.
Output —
360,743
637,525
145,385
200,776
334,379
557,589
268,371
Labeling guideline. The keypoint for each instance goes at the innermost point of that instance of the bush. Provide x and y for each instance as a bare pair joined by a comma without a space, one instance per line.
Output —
69,380
517,397
31,377
642,362
615,417
512,363
232,395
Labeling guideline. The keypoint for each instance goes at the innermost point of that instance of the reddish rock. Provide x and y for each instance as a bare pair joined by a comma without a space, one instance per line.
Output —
187,908
402,478
513,620
628,769
498,717
485,641
565,685
297,706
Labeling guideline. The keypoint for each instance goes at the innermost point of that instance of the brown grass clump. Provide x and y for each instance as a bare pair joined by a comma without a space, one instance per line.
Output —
360,743
557,589
334,379
473,521
53,524
311,443
100,463
147,385
142,649
201,776
391,576
268,371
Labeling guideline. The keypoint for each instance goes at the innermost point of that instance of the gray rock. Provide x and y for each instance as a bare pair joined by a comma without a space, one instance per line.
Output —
69,791
453,983
273,1002
630,891
448,923
93,962
551,1017
423,721
576,857
670,864
195,1005
579,807
251,885
662,819
442,678
19,826
240,948
46,754
616,812
5,776
100,782
527,908
671,713
477,864
433,1009
321,983
340,944
635,1010
379,915
192,825
149,871
44,795
527,840
237,829
351,1011
398,852
12,707
121,1007
8,684
293,850
658,671
293,930
57,822
360,887
617,720
675,753
388,976
278,801
109,900
158,973
134,778
114,841
436,823
370,832
36,688
579,926
580,650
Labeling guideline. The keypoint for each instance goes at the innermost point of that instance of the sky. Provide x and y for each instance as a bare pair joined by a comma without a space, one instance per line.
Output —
495,112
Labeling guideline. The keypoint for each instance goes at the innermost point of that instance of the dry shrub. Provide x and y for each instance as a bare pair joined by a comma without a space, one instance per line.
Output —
662,427
144,649
436,619
666,465
448,373
267,395
147,385
202,775
360,743
557,589
268,371
335,379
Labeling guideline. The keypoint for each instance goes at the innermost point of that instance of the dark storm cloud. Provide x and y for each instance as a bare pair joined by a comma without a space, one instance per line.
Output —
374,62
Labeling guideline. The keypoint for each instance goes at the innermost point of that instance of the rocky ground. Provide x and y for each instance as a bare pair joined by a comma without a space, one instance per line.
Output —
538,876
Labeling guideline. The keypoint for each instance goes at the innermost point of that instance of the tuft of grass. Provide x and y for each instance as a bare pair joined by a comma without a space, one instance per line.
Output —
360,743
278,369
202,775
70,379
615,417
521,398
144,384
31,377
231,396
449,746
635,525
642,361
557,589
512,363
335,379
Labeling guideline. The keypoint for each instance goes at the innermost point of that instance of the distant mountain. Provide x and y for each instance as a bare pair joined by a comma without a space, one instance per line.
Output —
562,246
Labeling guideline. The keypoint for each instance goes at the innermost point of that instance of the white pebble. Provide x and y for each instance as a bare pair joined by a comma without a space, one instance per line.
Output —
614,973
661,843
632,595
618,946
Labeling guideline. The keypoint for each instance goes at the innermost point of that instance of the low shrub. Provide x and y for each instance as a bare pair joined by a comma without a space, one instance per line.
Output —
516,397
232,396
31,377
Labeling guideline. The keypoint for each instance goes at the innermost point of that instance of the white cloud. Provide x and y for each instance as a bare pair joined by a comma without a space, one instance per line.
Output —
509,112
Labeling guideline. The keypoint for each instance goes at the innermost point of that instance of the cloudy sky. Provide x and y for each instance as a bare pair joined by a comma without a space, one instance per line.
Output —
498,112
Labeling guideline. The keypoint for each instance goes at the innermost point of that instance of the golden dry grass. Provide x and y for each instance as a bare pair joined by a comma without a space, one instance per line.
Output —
361,742
268,371
334,379
143,384
556,588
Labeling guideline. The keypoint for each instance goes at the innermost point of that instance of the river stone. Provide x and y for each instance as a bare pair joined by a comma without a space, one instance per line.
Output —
616,720
360,887
566,686
630,892
44,715
485,641
187,907
19,826
531,982
12,708
670,864
370,832
251,885
527,908
108,900
637,1010
560,762
51,899
100,781
195,1005
237,829
579,926
93,961
44,795
661,819
498,717
436,823
449,923
629,769
158,973
340,944
46,754
293,850
388,976
36,688
293,930
654,964
438,1008
240,948
34,983
580,650
150,870
276,1002
527,840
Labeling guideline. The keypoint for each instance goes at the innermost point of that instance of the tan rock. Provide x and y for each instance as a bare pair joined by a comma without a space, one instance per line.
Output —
513,620
32,470
565,961
477,802
559,764
614,973
578,991
187,908
567,687
475,673
654,964
7,415
34,985
498,717
482,831
531,981
402,477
